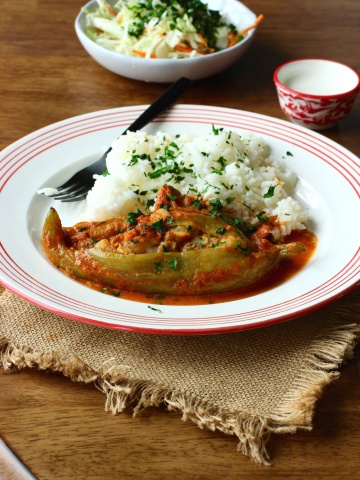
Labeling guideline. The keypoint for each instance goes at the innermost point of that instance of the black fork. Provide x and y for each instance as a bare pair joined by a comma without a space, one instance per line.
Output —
77,187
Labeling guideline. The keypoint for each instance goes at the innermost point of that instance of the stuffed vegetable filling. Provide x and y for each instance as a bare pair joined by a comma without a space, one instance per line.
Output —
185,246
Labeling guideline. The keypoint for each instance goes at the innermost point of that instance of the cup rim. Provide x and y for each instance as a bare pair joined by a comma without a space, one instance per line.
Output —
278,83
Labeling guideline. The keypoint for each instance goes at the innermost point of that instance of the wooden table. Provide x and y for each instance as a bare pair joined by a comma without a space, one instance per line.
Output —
58,428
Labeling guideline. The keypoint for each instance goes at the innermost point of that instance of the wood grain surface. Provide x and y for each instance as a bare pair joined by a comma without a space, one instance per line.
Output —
58,428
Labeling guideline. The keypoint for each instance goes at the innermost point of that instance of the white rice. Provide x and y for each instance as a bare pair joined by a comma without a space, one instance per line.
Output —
236,170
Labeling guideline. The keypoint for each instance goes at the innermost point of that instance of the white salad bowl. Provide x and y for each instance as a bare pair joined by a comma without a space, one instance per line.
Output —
169,70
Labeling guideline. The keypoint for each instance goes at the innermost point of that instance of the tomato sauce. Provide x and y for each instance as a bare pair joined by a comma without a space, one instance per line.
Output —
287,269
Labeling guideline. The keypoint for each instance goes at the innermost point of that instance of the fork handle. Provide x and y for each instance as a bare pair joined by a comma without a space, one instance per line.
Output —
162,103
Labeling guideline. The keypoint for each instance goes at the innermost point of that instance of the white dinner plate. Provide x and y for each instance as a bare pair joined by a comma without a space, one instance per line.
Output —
328,185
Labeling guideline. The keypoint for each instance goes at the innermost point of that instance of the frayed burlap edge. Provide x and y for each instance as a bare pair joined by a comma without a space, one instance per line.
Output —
296,411
322,362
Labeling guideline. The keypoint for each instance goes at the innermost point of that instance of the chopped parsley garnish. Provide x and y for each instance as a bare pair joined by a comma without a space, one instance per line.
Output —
132,216
173,144
150,202
173,263
160,171
135,158
245,251
203,20
270,192
159,266
217,206
261,217
234,222
251,228
221,230
155,309
158,226
198,204
136,29
222,162
216,130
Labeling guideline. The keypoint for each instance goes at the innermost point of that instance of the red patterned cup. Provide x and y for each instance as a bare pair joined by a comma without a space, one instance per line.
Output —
316,93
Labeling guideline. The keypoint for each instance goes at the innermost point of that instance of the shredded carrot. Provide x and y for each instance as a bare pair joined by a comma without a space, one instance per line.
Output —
204,51
142,54
254,25
233,39
209,50
111,10
203,39
181,48
119,20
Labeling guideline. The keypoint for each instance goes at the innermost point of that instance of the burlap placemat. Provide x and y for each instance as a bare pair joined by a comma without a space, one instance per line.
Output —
248,384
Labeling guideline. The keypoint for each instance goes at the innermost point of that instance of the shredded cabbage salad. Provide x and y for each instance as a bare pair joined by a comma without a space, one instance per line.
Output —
160,28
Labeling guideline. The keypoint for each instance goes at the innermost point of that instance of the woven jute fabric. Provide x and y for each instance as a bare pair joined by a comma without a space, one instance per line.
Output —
249,383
